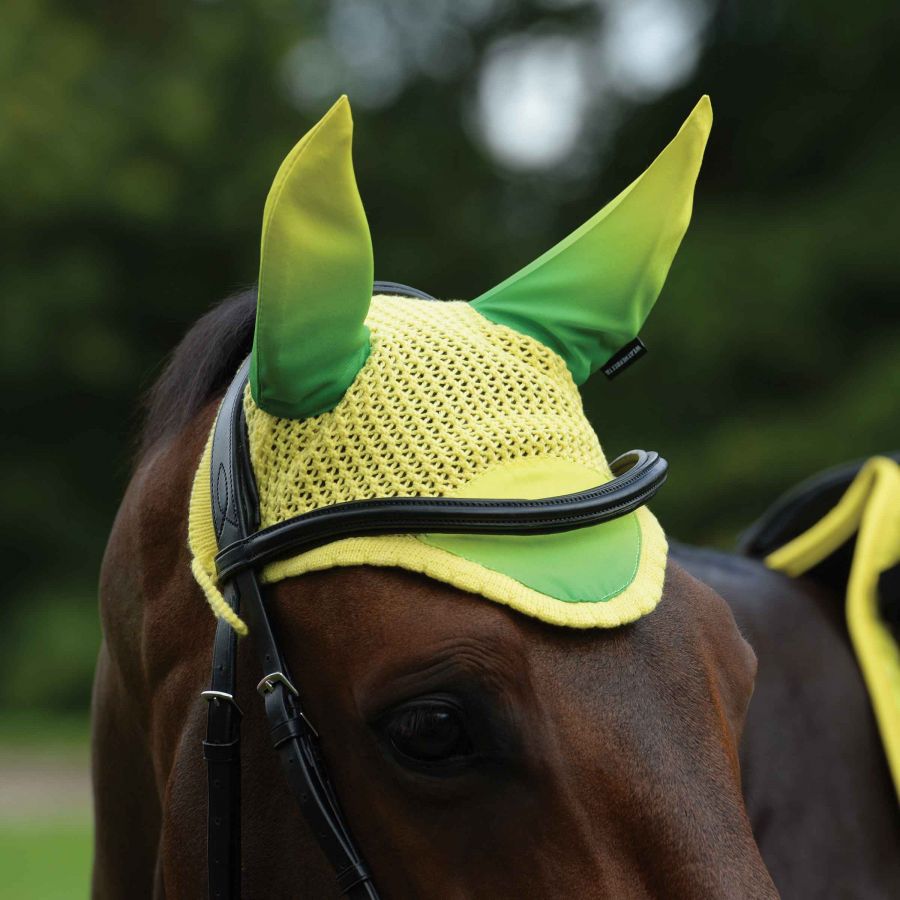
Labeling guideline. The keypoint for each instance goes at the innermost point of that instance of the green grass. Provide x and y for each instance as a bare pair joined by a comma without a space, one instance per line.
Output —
45,852
45,860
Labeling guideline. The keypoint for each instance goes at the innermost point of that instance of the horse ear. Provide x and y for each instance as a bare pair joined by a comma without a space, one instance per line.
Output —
315,276
589,295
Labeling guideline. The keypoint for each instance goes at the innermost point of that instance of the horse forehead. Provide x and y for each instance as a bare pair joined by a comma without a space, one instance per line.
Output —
382,618
366,613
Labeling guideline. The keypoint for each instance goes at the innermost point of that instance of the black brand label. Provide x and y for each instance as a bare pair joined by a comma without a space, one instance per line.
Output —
620,361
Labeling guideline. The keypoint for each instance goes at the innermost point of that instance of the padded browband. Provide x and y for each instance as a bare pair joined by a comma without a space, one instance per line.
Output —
639,475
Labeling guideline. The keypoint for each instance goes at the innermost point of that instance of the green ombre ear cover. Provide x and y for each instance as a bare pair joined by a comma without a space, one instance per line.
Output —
589,295
315,277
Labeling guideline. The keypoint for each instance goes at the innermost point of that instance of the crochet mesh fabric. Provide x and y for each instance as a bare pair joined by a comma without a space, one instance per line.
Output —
446,401
444,396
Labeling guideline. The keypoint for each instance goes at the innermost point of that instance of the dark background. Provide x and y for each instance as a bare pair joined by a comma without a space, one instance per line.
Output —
138,141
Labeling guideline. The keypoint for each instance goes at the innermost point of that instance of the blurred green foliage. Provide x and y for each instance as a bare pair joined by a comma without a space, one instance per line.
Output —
46,860
137,144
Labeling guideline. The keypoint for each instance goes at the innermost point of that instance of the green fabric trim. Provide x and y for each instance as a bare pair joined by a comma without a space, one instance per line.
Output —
589,295
588,565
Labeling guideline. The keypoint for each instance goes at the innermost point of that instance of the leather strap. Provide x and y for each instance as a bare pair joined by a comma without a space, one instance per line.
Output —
221,749
297,744
235,516
401,290
639,476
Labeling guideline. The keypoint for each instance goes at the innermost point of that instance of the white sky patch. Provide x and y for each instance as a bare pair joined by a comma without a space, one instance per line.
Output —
531,99
652,46
534,92
373,49
311,73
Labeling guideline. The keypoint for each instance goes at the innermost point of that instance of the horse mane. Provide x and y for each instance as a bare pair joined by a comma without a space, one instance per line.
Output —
199,369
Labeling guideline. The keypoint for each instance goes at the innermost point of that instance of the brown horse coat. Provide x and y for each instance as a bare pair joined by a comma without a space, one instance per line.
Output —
611,764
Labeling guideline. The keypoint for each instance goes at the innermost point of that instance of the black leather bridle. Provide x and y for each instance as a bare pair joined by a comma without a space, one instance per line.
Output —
244,549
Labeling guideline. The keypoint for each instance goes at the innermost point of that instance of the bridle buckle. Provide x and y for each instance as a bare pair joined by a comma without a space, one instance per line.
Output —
221,697
267,685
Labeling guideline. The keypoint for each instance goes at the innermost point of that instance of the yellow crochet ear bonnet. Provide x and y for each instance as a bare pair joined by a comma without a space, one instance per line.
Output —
355,397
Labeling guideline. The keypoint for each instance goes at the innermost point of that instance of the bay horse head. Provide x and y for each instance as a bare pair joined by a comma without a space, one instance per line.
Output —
539,706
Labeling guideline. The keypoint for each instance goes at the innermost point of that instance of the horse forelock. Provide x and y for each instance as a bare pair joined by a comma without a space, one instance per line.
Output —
199,368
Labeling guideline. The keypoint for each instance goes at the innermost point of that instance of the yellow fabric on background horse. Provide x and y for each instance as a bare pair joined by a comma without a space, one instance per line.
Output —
870,510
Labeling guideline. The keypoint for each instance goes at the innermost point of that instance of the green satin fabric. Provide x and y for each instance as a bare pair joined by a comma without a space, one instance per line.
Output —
585,298
589,295
587,565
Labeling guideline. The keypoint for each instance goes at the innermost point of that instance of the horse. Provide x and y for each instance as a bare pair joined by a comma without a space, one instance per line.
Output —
815,778
475,746
617,771
813,775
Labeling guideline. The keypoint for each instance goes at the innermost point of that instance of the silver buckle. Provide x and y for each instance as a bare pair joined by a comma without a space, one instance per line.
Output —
219,697
267,685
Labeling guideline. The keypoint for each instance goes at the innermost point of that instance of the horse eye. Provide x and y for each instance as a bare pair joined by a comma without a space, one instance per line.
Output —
428,732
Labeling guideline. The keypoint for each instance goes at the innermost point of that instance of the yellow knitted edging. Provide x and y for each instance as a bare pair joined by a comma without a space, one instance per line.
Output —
407,552
202,542
216,600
